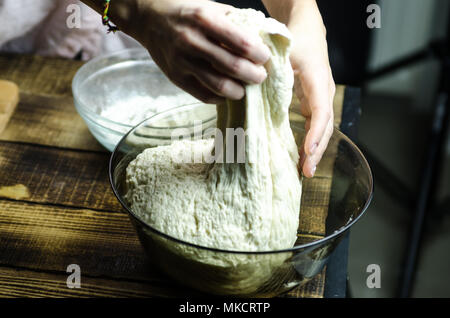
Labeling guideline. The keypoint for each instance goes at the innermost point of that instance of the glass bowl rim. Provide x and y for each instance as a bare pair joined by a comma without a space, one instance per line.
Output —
76,82
295,248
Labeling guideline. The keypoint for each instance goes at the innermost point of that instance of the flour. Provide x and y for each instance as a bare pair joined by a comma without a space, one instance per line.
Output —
134,110
251,206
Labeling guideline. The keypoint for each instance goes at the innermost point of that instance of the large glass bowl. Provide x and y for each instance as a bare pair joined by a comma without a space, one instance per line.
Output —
123,80
248,274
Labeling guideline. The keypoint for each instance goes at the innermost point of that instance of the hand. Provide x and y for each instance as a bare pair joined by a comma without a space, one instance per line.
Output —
314,87
198,48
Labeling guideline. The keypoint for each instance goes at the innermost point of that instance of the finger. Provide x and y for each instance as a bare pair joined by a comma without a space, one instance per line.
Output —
251,48
321,114
241,69
218,83
191,85
312,161
222,30
224,61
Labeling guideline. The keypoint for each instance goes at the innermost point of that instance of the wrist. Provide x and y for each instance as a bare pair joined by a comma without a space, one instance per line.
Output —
121,13
305,17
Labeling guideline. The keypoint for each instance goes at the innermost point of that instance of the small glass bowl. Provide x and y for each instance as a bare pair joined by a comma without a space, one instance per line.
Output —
248,273
123,79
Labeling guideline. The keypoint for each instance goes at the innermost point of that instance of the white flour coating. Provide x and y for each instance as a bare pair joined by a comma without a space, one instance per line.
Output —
245,207
134,110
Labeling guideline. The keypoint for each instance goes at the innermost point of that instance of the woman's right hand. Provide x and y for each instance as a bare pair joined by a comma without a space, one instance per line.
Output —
198,48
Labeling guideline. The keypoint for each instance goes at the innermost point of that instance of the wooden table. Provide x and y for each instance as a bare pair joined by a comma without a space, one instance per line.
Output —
56,204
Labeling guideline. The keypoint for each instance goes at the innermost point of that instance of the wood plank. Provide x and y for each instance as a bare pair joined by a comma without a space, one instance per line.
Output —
312,289
34,284
51,175
50,238
47,175
314,205
39,75
51,121
47,238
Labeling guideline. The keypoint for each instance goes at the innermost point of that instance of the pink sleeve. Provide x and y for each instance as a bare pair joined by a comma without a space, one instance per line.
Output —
57,38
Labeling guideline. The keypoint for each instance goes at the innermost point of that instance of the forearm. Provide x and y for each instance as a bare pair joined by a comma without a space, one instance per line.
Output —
121,12
296,13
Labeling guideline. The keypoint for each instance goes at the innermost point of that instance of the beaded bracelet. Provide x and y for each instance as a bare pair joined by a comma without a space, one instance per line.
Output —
105,18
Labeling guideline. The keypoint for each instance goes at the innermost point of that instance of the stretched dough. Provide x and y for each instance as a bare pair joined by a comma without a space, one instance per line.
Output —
250,206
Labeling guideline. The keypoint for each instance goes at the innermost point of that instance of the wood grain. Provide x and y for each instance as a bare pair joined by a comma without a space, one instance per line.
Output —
58,208
35,284
312,289
48,238
79,179
39,75
314,206
50,121
56,176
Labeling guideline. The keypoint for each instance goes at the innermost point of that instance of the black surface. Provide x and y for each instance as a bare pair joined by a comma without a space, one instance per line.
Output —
336,274
243,4
348,38
347,34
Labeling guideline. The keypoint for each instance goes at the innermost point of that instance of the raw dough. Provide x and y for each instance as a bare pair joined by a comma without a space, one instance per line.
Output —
251,206
245,207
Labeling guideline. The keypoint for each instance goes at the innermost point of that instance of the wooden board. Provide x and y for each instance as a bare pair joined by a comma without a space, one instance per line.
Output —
57,208
39,75
34,284
55,176
50,121
49,238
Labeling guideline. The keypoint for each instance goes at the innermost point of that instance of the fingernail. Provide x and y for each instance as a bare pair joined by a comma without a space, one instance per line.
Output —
313,148
313,171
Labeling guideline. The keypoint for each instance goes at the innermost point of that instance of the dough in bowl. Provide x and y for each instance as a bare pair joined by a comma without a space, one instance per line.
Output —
249,206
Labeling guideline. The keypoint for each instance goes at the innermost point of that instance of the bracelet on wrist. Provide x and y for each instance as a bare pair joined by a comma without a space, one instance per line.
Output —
105,18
